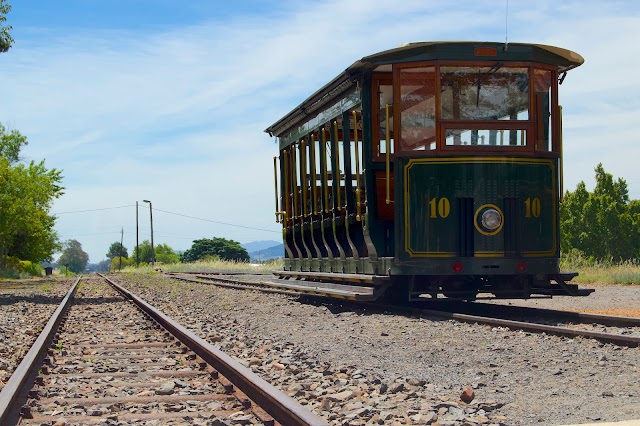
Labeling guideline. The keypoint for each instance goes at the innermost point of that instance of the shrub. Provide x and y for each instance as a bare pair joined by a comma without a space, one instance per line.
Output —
9,274
30,268
115,263
16,268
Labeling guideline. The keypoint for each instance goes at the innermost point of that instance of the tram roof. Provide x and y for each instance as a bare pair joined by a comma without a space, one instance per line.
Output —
346,81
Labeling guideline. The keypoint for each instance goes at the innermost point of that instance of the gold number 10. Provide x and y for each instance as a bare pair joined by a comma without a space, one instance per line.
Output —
440,208
532,207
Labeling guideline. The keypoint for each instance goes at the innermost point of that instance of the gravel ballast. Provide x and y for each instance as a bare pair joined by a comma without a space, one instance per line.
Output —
25,307
360,367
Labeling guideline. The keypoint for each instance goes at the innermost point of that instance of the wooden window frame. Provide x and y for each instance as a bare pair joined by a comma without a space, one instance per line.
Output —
396,108
376,80
530,125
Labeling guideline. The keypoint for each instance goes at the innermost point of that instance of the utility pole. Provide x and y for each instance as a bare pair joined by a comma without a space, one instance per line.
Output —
121,240
137,239
153,253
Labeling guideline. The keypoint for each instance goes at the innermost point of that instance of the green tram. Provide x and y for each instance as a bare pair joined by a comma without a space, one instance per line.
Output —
431,169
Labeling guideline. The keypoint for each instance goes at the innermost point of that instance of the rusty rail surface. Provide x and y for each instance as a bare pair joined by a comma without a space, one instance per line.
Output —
617,339
22,379
506,311
282,407
232,283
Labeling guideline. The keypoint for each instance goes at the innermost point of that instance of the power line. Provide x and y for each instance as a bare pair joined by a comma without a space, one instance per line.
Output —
94,233
95,210
173,213
215,221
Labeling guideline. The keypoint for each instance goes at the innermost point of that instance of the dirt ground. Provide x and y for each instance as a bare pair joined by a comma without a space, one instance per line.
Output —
608,299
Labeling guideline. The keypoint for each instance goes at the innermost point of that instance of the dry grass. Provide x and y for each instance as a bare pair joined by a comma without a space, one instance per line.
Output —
617,274
607,271
213,266
625,273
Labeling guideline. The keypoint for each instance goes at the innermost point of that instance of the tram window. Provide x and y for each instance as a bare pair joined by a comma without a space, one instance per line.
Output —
340,174
354,170
297,179
417,109
313,173
542,84
357,171
484,93
319,170
486,137
286,183
385,92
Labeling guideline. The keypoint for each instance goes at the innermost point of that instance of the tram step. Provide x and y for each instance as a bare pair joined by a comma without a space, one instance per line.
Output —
361,279
558,290
341,291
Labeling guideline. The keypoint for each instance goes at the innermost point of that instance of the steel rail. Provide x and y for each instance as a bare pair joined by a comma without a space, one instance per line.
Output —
618,339
234,283
23,377
215,273
621,340
280,406
581,317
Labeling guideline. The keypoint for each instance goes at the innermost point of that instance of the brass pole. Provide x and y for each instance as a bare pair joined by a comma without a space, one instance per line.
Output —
303,169
388,156
294,175
313,175
336,154
355,137
287,203
326,172
275,178
561,177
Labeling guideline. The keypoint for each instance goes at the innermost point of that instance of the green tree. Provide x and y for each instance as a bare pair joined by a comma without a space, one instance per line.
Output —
165,254
103,265
26,194
572,218
143,251
116,250
216,247
11,144
5,38
604,224
73,257
116,265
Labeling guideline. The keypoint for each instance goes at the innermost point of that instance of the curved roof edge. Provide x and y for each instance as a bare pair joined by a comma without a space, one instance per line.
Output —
309,108
564,58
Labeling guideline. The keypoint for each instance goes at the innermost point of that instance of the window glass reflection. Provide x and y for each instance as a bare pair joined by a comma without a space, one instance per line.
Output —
417,105
485,137
484,93
543,87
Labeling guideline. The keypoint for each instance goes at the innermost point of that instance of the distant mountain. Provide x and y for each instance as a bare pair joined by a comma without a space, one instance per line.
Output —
268,253
260,245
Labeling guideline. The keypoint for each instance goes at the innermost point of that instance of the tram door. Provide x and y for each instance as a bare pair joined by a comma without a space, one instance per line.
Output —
382,156
416,139
405,128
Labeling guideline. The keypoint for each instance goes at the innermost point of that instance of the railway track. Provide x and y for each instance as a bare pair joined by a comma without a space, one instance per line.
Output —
24,307
622,331
549,316
107,355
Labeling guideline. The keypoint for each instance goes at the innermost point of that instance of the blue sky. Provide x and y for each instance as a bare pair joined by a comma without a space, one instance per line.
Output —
167,101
